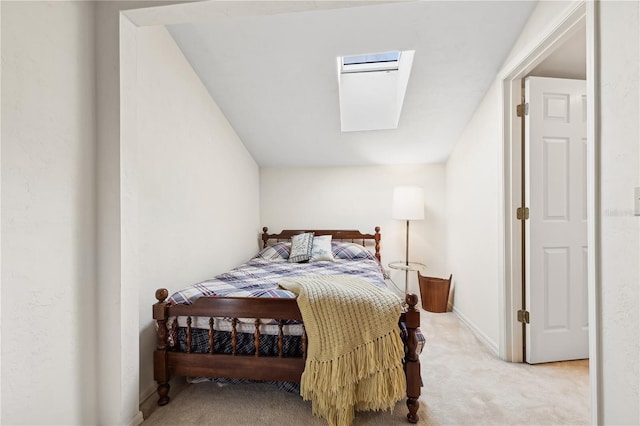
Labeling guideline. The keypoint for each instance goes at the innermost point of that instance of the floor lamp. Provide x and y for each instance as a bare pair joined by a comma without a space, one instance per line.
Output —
408,204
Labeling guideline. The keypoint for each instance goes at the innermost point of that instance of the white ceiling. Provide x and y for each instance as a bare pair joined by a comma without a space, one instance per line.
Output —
274,76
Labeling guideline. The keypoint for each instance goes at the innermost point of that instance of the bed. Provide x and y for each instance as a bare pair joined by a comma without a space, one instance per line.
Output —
242,326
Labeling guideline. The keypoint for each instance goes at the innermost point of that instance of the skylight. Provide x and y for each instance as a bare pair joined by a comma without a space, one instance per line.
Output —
372,88
386,61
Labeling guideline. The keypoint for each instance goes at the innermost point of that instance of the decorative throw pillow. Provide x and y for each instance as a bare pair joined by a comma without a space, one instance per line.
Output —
301,245
350,251
321,249
278,251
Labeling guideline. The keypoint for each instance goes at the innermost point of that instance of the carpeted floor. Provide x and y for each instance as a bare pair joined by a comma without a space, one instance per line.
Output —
464,384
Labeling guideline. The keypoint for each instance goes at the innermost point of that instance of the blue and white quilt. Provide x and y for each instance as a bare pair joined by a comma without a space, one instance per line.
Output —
259,277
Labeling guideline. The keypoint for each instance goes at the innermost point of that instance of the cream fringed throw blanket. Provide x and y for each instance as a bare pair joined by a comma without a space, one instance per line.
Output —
354,357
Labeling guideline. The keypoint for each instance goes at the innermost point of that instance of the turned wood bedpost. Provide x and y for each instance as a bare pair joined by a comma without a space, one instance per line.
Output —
412,361
377,237
160,368
265,237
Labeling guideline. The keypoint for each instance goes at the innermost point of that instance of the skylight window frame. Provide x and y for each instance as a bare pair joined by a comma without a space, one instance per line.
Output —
373,100
370,63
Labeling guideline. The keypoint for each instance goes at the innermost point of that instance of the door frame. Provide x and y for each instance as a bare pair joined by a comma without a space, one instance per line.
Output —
511,331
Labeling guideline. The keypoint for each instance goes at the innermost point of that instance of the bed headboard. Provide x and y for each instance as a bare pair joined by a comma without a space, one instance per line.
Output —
336,234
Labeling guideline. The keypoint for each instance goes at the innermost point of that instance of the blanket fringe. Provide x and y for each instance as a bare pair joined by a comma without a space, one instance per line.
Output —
354,358
366,378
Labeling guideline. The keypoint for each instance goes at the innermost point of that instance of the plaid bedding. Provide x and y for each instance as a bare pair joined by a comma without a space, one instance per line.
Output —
260,277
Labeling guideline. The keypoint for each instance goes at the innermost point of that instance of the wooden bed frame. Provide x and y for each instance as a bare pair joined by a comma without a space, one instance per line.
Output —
170,361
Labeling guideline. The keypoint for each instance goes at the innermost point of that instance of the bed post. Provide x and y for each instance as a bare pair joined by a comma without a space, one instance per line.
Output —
265,237
160,368
412,362
377,237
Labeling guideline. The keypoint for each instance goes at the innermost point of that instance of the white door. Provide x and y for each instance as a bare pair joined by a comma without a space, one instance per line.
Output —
556,232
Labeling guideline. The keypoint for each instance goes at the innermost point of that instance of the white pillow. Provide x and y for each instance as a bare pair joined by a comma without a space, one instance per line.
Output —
321,249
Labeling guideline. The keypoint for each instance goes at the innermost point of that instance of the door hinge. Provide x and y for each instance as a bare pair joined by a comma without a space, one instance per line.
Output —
522,109
522,213
523,316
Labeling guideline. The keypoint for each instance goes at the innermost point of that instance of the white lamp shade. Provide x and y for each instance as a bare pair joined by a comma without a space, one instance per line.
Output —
408,203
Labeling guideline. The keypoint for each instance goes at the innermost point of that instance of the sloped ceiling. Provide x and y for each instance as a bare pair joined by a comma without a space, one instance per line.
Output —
568,61
275,79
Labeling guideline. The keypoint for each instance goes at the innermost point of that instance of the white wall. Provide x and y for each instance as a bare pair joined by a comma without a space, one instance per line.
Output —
0,222
620,230
118,369
197,184
48,213
473,226
360,198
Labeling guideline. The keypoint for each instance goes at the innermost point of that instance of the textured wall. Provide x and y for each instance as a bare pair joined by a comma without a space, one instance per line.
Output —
620,229
48,213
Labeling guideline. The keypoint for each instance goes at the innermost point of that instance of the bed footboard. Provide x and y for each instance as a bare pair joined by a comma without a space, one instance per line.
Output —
170,361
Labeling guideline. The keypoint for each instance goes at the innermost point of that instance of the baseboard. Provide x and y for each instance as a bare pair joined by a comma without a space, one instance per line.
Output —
484,339
147,394
149,401
137,419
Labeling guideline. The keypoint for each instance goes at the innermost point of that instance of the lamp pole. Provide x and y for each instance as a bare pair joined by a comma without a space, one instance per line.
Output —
408,204
406,259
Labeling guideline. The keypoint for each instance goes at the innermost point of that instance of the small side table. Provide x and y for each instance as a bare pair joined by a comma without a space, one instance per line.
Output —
406,267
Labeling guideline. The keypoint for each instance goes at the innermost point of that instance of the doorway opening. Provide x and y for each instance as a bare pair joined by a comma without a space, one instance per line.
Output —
575,31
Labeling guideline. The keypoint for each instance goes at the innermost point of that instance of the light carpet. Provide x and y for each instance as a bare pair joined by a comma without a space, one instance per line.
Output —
464,384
